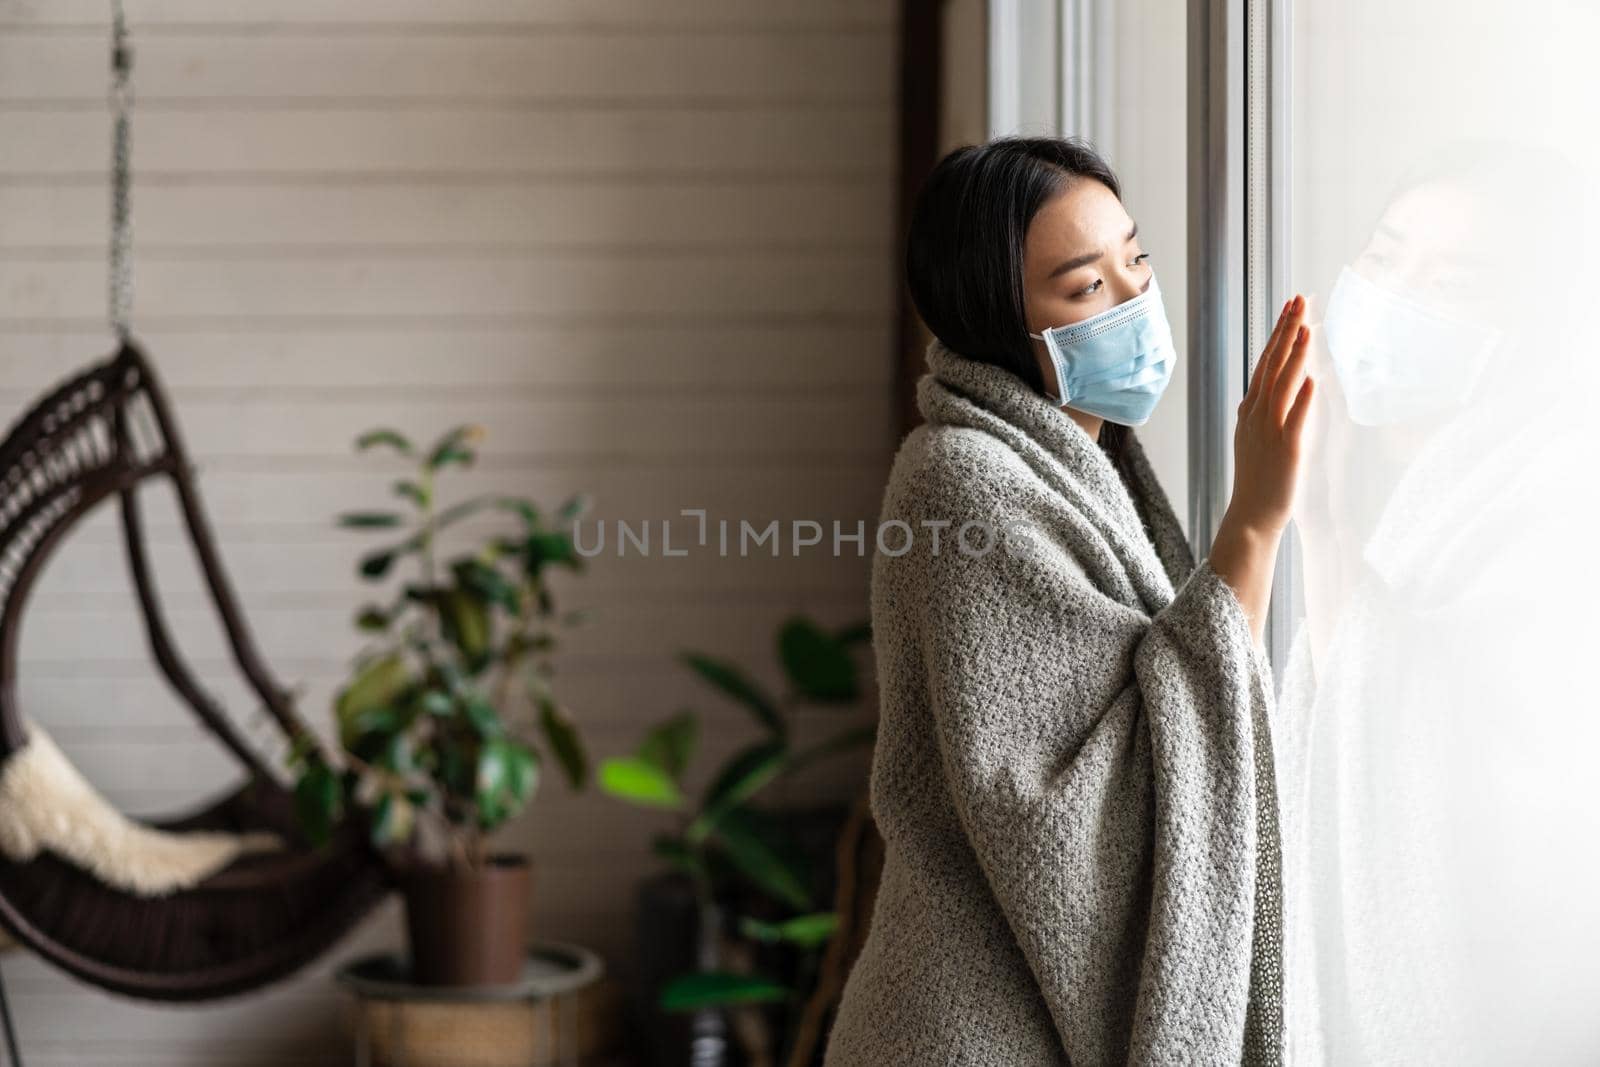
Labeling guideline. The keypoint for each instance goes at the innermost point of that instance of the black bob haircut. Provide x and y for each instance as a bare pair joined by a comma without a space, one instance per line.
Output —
965,242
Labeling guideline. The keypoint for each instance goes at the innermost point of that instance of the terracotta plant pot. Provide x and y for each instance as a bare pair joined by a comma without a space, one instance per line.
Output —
468,927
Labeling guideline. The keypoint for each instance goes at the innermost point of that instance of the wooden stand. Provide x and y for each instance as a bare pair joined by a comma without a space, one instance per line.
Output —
555,1016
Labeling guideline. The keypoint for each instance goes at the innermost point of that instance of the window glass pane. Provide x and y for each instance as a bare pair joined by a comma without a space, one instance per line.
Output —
1438,723
1146,143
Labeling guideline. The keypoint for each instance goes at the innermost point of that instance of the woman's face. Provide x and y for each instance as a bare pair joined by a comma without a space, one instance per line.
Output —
1434,245
1081,257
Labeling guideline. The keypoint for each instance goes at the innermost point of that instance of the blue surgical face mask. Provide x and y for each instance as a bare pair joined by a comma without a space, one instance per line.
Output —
1397,360
1115,364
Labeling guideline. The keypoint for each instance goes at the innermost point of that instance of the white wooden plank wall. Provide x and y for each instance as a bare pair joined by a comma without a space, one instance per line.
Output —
647,244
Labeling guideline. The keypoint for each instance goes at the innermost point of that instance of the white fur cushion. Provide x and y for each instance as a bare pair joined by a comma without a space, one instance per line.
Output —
45,804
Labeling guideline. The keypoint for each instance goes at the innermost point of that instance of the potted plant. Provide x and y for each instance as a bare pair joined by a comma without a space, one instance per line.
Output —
433,755
740,920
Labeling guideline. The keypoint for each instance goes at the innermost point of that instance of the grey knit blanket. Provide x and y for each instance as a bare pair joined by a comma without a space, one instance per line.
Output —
1073,770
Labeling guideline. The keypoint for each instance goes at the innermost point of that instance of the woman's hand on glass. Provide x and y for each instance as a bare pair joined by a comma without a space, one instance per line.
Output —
1267,449
1269,438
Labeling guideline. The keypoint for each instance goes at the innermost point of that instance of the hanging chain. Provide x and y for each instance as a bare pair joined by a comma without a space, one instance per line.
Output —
121,274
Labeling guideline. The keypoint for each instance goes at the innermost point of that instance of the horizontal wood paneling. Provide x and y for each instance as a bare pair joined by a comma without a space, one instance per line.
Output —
455,16
746,69
662,285
327,140
442,219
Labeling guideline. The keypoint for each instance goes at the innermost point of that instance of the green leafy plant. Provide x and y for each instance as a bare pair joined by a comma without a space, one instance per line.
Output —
425,732
723,836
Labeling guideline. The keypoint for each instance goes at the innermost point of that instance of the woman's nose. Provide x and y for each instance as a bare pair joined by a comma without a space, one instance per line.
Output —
1126,285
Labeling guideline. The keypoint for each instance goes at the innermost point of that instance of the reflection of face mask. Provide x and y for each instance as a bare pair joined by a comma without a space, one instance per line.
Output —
1396,359
1115,364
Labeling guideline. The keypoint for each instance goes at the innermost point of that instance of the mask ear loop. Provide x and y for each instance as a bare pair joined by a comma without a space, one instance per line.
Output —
1053,363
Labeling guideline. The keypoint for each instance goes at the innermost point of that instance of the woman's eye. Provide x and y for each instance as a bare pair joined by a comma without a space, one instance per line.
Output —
1099,283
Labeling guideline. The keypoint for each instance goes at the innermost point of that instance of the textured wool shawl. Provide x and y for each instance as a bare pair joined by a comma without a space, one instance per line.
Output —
1073,773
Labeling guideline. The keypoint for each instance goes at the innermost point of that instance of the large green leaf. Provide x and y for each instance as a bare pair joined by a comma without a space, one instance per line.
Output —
544,547
446,456
318,801
372,619
760,860
741,777
524,772
561,735
375,686
483,717
466,624
486,583
732,681
670,745
489,786
709,989
376,564
453,447
507,773
370,520
384,436
413,492
640,782
818,664
382,720
807,931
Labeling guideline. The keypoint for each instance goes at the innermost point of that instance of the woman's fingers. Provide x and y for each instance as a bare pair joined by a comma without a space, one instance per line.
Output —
1253,390
1280,353
1286,387
1266,367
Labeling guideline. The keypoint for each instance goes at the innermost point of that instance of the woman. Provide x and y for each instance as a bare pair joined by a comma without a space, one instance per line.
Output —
1073,767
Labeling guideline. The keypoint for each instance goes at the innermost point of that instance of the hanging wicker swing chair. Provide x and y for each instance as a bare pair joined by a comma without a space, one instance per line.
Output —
213,903
100,436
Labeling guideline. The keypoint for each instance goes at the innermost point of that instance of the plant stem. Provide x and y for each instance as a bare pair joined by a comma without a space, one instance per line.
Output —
427,526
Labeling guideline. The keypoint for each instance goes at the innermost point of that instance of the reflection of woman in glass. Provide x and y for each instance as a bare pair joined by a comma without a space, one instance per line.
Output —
1437,912
1073,767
